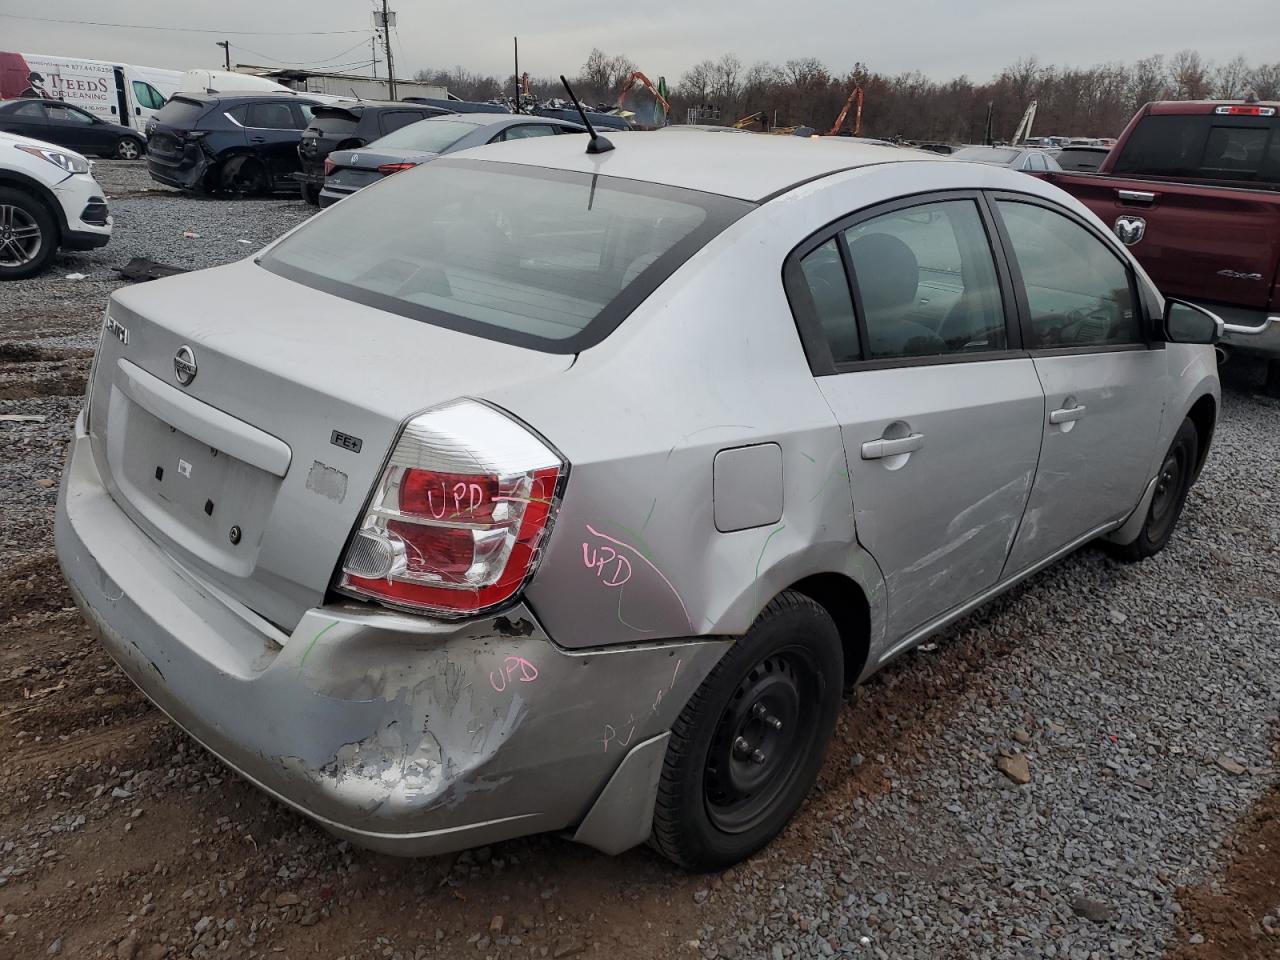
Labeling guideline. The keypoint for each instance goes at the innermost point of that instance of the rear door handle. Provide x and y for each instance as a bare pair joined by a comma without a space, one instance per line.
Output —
879,449
1067,414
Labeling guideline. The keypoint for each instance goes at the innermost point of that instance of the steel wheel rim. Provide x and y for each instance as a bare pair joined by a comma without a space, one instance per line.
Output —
1169,483
128,150
761,740
20,238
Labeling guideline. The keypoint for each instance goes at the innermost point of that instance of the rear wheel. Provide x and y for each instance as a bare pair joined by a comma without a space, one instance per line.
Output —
1177,471
243,176
129,148
28,234
311,194
748,745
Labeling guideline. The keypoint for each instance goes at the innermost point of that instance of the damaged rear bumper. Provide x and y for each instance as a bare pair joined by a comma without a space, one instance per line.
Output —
186,172
399,733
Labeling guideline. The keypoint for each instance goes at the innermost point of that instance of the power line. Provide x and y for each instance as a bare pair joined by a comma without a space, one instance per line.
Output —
300,63
220,30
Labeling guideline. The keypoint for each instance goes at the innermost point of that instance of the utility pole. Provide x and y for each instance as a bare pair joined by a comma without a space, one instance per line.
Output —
516,46
226,52
373,50
386,19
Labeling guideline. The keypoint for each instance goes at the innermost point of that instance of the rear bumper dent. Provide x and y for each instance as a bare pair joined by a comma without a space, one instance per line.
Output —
399,733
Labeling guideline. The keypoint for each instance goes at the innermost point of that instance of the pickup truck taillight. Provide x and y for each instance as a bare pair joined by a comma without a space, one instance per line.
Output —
458,519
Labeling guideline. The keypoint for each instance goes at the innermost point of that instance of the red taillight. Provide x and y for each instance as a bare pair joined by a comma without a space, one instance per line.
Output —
388,168
1245,111
328,166
458,519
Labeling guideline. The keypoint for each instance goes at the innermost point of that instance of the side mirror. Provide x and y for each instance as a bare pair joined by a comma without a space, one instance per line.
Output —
1186,322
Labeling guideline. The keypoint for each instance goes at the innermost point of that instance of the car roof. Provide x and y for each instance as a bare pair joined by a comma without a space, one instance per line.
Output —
749,168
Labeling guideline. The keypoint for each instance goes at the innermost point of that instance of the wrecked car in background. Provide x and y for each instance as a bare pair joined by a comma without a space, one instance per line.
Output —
234,144
525,512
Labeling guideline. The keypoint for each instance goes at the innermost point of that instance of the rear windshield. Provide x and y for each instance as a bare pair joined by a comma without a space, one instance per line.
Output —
1203,147
181,112
543,258
334,123
1080,158
430,136
984,154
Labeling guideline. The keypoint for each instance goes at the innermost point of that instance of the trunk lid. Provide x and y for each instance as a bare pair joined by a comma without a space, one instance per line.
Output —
1208,243
253,474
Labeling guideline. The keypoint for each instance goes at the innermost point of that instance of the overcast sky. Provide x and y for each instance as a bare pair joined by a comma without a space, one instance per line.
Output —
942,38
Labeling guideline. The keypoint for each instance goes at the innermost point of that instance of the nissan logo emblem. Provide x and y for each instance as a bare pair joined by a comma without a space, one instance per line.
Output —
184,365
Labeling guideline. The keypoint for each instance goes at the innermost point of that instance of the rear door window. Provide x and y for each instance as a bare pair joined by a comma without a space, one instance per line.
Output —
543,258
31,111
270,116
1079,292
926,282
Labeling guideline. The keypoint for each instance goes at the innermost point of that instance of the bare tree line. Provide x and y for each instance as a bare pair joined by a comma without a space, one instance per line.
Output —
1088,101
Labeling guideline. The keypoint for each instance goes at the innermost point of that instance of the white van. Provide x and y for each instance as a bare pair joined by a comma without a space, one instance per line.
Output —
117,92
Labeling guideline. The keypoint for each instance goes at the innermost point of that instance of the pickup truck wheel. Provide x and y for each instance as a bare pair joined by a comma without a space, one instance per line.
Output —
311,194
747,747
28,235
129,148
1177,471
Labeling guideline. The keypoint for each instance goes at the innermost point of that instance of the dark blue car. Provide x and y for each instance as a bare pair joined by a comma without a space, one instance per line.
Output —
232,144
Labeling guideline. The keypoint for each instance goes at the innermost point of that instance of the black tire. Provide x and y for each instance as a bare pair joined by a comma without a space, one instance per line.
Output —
718,801
243,177
311,194
1177,473
28,234
130,148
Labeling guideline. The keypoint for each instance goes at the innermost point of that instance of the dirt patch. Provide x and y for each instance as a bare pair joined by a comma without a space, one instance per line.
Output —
1238,912
28,371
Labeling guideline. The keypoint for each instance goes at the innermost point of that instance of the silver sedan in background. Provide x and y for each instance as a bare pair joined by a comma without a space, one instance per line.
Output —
346,171
1026,159
540,490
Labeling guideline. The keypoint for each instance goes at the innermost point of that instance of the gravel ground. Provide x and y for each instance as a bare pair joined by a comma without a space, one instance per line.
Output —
1142,700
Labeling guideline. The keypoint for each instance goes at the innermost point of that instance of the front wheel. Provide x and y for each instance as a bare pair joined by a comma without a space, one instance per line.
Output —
128,149
28,234
1173,483
747,747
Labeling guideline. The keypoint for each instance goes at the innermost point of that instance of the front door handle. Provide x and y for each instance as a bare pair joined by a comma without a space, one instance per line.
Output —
1067,414
879,449
257,139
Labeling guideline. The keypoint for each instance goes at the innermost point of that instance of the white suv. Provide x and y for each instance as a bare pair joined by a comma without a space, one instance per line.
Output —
48,199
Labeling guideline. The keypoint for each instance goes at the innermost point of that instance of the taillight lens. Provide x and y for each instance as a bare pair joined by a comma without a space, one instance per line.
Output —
459,517
388,168
328,166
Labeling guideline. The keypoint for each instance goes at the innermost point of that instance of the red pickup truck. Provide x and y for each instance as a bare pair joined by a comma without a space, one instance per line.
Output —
1194,189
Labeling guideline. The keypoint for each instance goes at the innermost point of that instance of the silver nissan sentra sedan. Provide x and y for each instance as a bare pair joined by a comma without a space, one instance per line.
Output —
536,489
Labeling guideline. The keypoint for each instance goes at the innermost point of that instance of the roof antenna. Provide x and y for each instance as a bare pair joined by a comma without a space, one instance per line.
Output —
597,143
